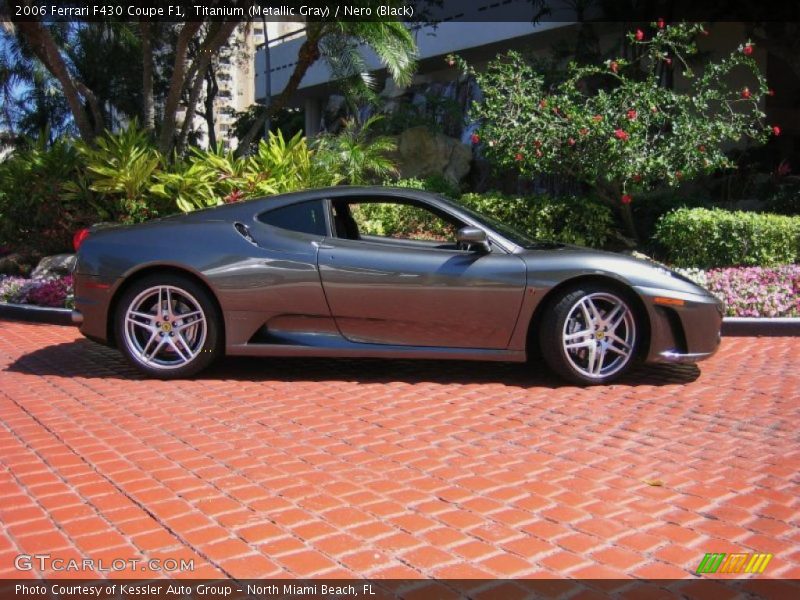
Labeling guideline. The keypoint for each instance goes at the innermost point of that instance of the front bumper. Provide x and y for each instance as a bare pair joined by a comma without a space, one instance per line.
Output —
682,333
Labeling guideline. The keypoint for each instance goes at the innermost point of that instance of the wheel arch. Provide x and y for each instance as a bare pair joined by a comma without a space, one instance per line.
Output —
643,318
160,269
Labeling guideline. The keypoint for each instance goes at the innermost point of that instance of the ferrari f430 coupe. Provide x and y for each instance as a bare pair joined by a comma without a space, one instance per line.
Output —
312,274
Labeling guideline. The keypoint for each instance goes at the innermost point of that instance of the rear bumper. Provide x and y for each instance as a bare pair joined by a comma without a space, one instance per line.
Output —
92,299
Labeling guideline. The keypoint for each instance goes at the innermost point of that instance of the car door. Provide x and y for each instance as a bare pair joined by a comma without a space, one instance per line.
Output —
402,292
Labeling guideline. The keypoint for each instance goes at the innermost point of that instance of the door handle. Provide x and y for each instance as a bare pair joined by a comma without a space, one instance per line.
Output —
323,246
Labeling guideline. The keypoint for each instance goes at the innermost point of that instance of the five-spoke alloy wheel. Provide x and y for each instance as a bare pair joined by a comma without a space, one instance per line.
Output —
167,326
589,335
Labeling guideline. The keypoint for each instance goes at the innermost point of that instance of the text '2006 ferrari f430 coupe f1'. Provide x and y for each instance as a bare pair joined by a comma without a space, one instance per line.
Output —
312,274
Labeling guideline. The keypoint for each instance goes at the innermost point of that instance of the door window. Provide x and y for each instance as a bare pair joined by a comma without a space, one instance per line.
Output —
386,220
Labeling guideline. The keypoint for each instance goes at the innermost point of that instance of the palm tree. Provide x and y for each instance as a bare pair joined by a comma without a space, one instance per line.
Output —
354,156
337,44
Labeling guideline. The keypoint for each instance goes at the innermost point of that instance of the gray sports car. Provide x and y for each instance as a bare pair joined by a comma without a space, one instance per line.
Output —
311,274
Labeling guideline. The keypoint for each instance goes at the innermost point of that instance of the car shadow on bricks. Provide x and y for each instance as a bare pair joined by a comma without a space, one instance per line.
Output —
83,358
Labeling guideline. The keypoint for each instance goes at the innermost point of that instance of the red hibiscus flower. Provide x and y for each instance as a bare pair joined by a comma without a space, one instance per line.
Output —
621,135
475,138
639,35
614,66
661,23
626,198
747,50
583,131
746,93
518,157
597,118
776,130
632,114
571,141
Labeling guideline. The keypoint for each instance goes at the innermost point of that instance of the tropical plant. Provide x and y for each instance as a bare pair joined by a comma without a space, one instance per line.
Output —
356,157
122,168
212,177
339,43
620,126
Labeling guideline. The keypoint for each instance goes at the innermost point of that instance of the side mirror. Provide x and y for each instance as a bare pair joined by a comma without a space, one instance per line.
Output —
472,236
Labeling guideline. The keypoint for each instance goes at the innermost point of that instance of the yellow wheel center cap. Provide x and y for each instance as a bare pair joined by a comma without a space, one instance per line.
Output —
166,327
600,335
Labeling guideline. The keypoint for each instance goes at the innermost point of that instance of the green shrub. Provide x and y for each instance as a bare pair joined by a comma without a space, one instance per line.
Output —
35,212
709,238
569,220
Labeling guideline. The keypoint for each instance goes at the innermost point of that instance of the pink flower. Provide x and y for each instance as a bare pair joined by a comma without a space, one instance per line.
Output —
776,130
660,23
639,35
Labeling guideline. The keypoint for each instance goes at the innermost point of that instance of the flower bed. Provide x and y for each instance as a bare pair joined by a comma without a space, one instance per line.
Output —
746,291
54,292
753,291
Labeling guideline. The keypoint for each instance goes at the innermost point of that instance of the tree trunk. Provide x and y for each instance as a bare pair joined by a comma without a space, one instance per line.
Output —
148,103
45,49
176,85
212,89
611,194
308,55
216,38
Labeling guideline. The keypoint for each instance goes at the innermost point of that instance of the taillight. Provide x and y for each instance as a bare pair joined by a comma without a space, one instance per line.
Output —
79,237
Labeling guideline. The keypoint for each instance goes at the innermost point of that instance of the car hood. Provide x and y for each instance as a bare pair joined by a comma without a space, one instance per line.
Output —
555,262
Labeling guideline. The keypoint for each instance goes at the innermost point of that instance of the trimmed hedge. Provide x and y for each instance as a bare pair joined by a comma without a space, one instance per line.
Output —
709,238
581,221
568,220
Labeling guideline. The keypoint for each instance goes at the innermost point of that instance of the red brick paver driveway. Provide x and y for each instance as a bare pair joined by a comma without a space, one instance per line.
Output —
397,469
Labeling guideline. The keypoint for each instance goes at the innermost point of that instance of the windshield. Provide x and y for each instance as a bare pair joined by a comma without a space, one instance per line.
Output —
520,238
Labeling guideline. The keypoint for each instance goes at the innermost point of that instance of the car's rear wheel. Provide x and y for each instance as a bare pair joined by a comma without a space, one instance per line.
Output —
590,334
168,326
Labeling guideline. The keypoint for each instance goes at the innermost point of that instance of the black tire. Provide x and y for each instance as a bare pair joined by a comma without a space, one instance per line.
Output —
200,341
600,347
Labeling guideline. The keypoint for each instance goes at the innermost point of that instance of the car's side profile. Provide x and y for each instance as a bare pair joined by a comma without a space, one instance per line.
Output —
308,274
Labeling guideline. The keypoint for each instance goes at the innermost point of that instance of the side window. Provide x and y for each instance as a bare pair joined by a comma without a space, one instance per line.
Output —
306,217
402,222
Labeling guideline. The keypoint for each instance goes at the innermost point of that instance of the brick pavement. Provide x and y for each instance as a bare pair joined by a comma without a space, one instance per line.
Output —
326,468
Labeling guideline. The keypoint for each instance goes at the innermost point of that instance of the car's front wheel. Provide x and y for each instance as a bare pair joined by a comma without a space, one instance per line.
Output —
590,334
168,326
